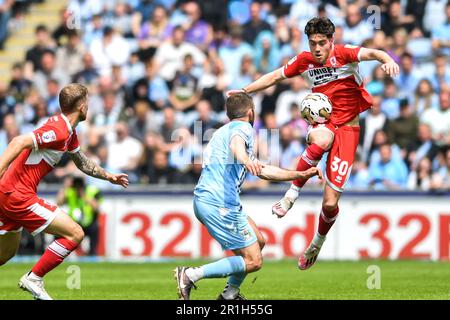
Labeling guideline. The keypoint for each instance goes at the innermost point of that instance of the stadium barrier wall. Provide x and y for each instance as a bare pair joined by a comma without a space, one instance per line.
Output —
380,226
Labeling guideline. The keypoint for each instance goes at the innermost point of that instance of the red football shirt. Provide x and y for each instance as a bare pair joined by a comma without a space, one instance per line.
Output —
51,141
338,78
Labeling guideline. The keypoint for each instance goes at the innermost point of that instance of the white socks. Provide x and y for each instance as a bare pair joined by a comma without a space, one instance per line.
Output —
318,240
195,274
230,292
292,193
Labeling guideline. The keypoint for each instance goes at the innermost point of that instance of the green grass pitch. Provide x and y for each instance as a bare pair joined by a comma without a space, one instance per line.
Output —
277,280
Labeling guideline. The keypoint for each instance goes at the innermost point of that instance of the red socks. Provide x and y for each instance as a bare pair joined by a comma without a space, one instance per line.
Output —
310,158
326,220
53,256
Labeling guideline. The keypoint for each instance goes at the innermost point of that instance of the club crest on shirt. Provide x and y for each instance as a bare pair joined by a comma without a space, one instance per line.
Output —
49,136
333,61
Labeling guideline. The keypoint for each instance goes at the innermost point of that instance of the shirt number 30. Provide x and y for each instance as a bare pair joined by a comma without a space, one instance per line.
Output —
340,166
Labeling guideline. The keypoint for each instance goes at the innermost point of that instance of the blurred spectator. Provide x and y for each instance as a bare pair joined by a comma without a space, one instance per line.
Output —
290,149
205,124
94,30
154,32
246,72
441,179
152,88
253,27
198,32
407,79
388,173
267,52
70,56
169,125
185,92
423,146
161,173
111,49
7,103
53,96
441,33
182,154
374,120
88,74
441,73
380,138
109,113
360,178
213,82
49,70
301,11
43,44
439,119
83,206
86,10
65,27
296,123
169,56
143,121
121,18
19,86
420,179
233,53
399,45
295,94
391,103
124,152
8,131
397,19
5,14
424,97
401,129
356,29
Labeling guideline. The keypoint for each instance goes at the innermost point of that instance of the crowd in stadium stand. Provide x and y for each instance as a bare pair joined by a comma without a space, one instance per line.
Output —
157,71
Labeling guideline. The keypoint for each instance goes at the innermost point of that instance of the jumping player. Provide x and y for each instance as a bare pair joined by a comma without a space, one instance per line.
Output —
332,70
227,158
26,160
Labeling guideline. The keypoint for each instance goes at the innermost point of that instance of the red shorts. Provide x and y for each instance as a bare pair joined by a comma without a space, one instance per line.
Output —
32,213
341,155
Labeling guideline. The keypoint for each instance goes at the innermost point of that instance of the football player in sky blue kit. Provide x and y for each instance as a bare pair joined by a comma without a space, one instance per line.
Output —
227,158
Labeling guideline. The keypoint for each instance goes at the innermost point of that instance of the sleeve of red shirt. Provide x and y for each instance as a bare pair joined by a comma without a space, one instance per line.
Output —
292,68
350,53
74,145
49,136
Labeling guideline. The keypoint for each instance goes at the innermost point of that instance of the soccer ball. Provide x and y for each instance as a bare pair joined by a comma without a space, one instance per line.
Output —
316,108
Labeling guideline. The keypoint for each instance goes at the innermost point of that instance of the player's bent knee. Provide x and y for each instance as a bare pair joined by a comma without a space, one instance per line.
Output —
254,264
76,234
322,140
330,205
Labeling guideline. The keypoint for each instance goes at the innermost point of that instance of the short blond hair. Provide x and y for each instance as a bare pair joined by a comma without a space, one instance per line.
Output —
71,96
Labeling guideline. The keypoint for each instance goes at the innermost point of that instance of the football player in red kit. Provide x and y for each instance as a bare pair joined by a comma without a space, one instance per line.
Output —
332,70
26,160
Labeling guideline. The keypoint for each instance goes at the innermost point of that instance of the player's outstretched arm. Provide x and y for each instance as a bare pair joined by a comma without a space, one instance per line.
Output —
267,80
15,147
388,64
274,173
92,169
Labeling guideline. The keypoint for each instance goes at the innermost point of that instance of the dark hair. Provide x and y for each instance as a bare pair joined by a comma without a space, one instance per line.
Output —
238,104
71,96
78,182
41,28
320,25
